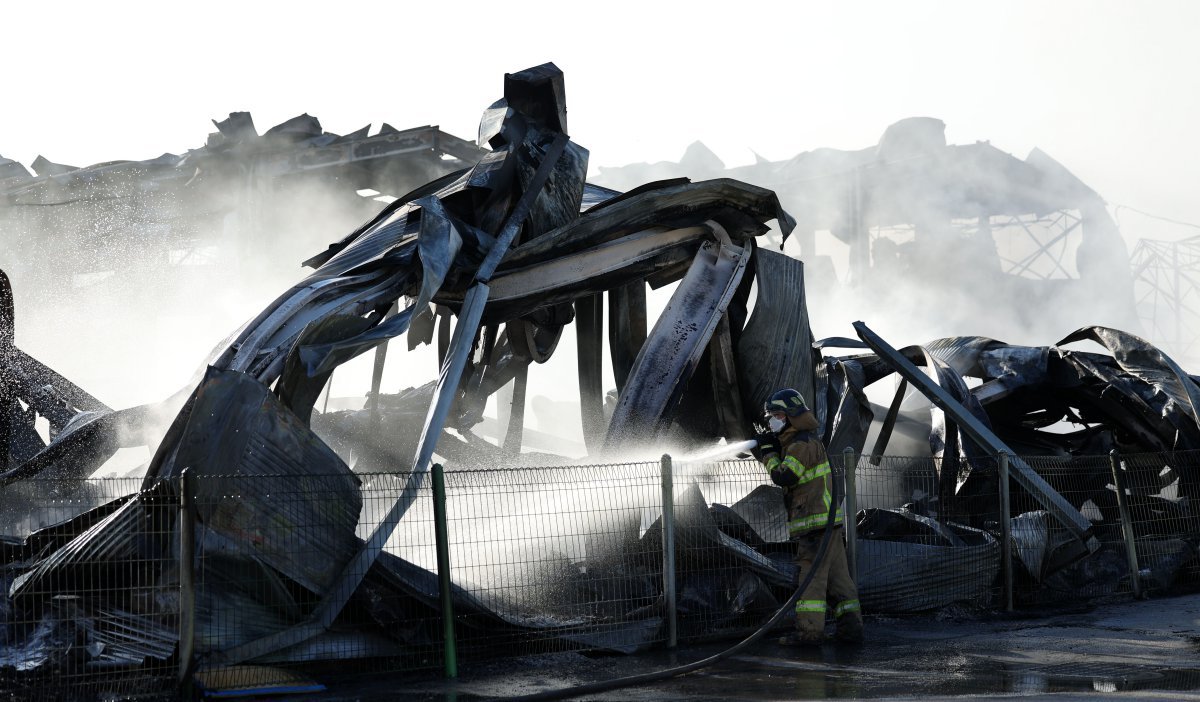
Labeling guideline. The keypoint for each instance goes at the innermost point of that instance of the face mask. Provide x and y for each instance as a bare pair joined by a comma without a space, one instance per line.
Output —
776,424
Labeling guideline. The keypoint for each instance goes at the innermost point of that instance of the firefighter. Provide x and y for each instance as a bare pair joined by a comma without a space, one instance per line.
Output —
797,462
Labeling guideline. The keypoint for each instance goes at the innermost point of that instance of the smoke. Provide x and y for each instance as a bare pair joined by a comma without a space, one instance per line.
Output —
963,240
127,288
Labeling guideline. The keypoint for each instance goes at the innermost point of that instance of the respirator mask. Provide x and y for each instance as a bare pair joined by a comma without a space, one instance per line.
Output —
776,424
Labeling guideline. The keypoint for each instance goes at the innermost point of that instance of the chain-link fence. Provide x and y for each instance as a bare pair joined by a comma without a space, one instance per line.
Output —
250,580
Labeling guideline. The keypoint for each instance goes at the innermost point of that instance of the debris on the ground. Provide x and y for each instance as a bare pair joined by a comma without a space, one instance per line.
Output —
493,262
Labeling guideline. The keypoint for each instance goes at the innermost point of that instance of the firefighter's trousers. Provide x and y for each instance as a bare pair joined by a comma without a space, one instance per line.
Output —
830,588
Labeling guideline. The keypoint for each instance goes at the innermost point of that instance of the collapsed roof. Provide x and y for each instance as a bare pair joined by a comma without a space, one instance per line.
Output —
495,260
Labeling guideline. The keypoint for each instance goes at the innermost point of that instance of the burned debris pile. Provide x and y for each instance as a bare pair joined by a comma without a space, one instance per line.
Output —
295,513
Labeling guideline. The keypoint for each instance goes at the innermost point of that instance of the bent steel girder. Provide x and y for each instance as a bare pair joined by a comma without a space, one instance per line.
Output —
1054,503
580,274
674,347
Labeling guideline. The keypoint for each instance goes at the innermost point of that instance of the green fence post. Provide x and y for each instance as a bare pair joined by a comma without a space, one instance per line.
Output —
443,565
187,583
1005,530
1135,576
668,540
850,463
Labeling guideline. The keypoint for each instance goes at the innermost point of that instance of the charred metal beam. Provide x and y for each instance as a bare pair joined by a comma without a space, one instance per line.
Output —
674,347
626,328
1026,477
727,395
513,436
7,315
591,271
889,423
589,335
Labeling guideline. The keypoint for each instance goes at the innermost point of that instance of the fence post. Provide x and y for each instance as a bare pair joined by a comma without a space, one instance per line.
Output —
187,583
443,566
1005,529
850,463
668,540
1135,576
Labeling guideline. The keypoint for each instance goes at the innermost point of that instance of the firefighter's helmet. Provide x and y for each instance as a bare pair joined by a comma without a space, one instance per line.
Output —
788,401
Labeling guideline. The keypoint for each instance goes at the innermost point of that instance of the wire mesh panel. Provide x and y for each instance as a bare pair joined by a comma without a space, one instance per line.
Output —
89,607
733,563
1050,565
272,554
556,558
925,540
101,594
1161,489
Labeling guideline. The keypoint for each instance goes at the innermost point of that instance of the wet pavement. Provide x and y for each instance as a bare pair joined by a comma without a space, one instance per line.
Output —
1142,650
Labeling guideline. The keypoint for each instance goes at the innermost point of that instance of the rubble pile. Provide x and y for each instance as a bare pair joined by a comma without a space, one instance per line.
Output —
495,261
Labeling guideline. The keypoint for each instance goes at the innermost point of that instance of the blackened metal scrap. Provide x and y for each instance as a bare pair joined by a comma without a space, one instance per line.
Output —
46,540
773,351
842,406
90,563
689,203
626,328
946,439
31,376
1096,384
949,562
732,421
323,357
118,638
589,327
1037,487
1177,398
445,391
287,477
7,315
438,244
299,384
675,346
630,259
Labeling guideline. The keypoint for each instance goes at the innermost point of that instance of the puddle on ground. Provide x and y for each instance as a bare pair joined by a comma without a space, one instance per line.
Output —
961,676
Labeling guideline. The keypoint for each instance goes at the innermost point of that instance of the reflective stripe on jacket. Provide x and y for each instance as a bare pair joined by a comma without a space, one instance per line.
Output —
810,498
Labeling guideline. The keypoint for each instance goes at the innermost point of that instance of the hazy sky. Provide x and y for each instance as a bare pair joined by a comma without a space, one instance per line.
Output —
1110,89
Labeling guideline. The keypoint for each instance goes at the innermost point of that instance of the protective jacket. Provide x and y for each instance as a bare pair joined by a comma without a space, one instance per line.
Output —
803,472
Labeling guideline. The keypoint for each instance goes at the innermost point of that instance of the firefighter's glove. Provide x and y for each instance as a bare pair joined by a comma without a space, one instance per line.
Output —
768,446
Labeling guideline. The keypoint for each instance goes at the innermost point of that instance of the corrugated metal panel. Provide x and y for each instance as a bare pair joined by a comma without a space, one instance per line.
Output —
120,638
775,349
85,563
297,503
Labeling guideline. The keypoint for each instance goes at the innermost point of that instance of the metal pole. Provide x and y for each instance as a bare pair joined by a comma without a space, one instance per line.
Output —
850,463
443,565
187,582
1135,576
1006,530
668,539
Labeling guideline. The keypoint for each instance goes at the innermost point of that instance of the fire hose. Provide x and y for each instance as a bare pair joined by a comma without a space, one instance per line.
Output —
667,673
